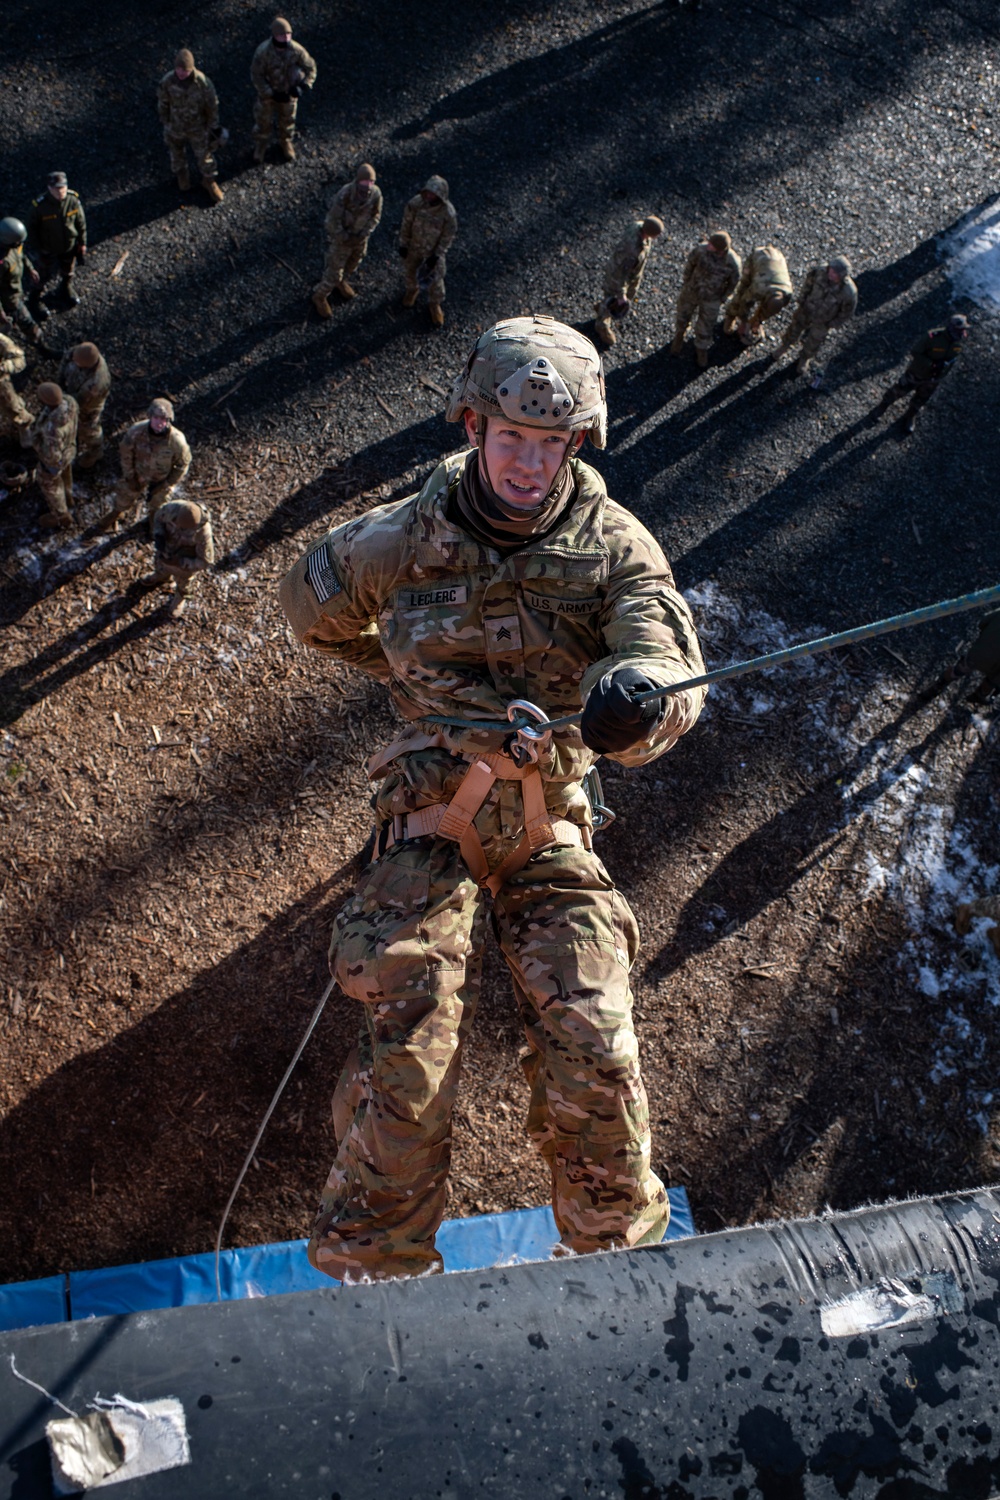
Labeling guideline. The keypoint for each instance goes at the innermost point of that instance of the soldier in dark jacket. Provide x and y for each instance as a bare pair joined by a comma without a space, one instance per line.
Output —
931,357
982,656
57,239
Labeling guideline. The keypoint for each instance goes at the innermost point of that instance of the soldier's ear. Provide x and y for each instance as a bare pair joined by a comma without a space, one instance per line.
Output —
577,442
471,426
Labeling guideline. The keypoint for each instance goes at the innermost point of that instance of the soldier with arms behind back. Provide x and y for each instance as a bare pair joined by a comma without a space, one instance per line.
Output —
188,107
931,357
512,574
57,239
53,437
84,375
711,272
183,547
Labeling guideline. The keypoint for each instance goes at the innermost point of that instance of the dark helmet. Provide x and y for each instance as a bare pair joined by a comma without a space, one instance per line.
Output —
12,232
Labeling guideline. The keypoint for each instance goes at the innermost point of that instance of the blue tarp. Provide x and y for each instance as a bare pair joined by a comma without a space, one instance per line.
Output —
266,1270
26,1304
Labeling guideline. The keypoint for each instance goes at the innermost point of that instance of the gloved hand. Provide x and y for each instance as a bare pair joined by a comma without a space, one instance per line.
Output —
618,306
295,92
612,720
81,252
280,97
403,251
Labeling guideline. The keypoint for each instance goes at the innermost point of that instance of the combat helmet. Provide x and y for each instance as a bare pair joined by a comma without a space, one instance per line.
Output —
536,372
12,232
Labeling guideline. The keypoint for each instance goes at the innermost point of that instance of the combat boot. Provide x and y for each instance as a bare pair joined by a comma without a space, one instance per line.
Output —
54,521
729,325
437,314
68,291
701,355
38,310
409,298
909,422
213,189
184,179
259,153
605,332
677,347
345,290
287,150
322,305
108,522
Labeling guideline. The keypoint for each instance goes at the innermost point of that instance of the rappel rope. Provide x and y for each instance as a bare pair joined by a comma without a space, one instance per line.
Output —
860,633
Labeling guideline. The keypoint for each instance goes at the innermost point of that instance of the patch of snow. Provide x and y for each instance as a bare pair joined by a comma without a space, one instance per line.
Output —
972,255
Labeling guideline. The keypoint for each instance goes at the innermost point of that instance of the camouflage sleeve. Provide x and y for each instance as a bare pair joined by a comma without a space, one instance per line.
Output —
805,290
205,544
258,74
160,531
645,623
618,269
376,209
406,228
210,106
732,280
163,101
448,232
848,302
182,460
691,265
308,66
126,457
328,606
12,361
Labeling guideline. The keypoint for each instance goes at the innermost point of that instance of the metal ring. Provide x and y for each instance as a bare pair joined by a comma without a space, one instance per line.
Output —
521,705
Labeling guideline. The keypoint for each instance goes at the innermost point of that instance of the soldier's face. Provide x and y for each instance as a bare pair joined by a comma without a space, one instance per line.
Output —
363,186
59,193
183,73
832,275
282,38
159,423
521,462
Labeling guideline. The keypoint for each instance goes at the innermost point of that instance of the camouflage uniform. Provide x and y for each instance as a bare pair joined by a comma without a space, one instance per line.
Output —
622,276
12,298
931,357
53,437
57,238
14,415
986,906
708,280
274,73
822,305
181,551
453,627
426,235
90,389
151,460
764,289
189,114
351,219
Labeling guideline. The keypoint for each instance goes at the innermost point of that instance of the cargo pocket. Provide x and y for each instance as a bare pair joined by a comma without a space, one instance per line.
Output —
377,949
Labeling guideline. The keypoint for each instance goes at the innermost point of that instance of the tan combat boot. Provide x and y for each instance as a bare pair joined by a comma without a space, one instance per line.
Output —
409,298
54,521
109,521
322,305
437,314
701,355
677,347
213,189
184,179
729,325
345,290
287,150
605,332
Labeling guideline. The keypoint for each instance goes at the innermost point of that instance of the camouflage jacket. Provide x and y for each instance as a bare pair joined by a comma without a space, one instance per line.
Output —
351,217
187,108
933,355
12,359
275,70
89,388
182,546
765,270
146,459
820,301
428,228
53,434
12,279
453,628
623,272
54,227
710,276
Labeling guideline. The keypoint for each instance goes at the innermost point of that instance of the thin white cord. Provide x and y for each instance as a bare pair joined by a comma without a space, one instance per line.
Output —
34,1384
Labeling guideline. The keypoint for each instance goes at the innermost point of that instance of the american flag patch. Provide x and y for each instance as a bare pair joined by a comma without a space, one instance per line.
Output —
319,571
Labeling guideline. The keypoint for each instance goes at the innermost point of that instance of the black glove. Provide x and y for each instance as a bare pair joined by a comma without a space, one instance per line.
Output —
612,720
403,252
295,92
280,98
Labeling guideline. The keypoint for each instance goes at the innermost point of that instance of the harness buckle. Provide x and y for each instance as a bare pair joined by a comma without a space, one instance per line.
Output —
523,747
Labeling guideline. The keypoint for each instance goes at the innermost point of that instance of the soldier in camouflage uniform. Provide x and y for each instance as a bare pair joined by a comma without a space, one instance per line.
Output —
155,458
354,214
983,656
13,306
85,376
931,357
281,72
765,289
15,418
53,437
826,301
986,906
511,574
57,239
711,273
182,548
426,234
623,275
188,107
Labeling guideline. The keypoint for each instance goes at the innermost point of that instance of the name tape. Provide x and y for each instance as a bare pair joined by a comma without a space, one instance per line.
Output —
424,598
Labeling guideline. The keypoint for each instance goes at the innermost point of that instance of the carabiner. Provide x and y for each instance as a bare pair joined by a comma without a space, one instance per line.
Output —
530,738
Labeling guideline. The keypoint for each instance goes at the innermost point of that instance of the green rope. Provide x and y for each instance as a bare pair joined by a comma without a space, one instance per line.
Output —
760,663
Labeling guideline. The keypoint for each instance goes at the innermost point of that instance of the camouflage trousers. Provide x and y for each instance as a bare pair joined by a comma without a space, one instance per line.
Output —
201,150
183,577
90,437
344,255
604,315
408,944
741,305
56,486
14,415
268,113
706,315
812,335
128,495
417,282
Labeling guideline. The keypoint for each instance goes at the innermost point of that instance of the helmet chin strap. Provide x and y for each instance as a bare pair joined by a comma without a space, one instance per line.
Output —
484,467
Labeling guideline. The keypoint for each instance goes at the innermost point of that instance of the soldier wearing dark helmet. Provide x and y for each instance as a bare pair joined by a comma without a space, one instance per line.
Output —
13,305
931,357
511,575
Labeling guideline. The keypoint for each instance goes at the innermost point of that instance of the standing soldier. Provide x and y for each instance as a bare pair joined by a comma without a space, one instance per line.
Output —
12,268
711,272
983,656
14,415
53,437
765,289
353,215
182,548
84,375
623,275
154,457
189,113
426,234
57,239
281,71
931,357
511,574
826,301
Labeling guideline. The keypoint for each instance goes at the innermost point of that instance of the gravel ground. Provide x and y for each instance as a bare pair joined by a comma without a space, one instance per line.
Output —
182,799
